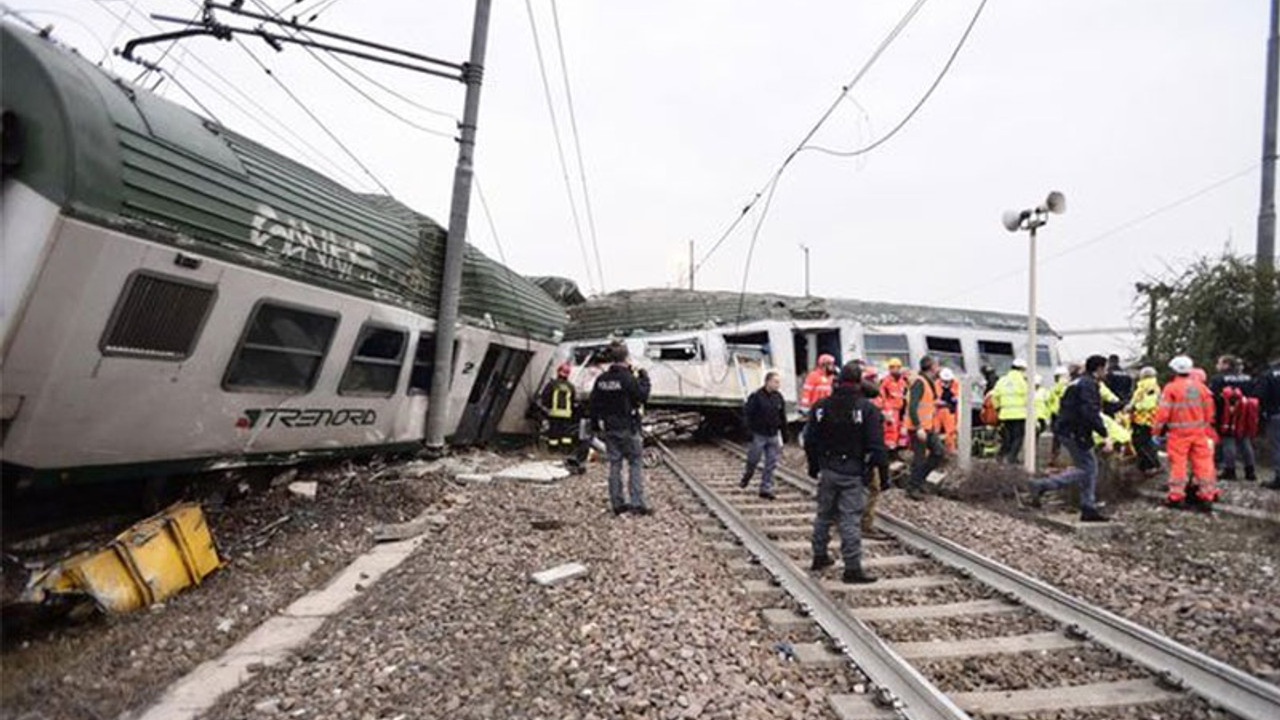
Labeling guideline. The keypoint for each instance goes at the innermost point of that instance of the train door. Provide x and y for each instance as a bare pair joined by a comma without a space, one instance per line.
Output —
496,382
749,357
810,343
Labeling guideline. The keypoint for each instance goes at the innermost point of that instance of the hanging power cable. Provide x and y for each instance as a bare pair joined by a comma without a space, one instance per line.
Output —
555,131
924,98
844,91
577,146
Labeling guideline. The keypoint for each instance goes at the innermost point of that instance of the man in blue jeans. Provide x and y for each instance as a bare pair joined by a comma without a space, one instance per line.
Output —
1079,417
616,399
765,415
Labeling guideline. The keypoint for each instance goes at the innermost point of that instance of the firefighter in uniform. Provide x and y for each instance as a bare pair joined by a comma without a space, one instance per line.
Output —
893,395
1186,411
817,384
844,438
948,407
558,399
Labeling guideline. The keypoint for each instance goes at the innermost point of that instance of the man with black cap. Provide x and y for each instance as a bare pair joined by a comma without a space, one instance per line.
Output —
845,441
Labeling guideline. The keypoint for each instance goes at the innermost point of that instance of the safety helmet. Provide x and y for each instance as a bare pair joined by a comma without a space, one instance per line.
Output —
1060,371
1019,364
1039,379
1147,371
1181,365
946,375
563,370
825,359
895,364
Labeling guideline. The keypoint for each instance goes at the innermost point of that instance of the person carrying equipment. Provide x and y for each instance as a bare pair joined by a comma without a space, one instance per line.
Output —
1186,412
558,399
844,439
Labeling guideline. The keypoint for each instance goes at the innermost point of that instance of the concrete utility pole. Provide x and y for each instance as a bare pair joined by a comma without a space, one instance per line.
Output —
805,248
456,244
1267,209
690,264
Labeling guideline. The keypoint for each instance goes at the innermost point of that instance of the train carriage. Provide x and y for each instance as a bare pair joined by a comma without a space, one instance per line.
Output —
708,350
178,297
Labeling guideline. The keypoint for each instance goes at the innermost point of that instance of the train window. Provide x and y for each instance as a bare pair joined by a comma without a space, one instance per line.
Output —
947,351
424,364
157,317
375,365
282,349
590,354
1043,357
679,350
881,347
997,355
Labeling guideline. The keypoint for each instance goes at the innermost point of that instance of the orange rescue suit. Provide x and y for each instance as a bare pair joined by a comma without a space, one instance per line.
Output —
893,401
946,416
817,385
1186,411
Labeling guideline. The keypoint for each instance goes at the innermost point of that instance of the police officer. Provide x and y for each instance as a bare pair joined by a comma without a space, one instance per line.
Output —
615,411
845,441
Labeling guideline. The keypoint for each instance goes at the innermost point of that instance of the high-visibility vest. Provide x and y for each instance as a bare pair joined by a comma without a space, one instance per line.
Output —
1146,398
1055,395
1186,408
817,385
561,401
1011,396
1117,433
1042,403
926,411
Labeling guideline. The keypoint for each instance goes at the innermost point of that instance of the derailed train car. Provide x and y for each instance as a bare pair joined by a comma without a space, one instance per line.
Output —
177,297
707,351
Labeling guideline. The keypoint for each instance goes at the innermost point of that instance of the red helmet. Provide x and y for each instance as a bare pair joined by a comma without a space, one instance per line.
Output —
563,370
825,359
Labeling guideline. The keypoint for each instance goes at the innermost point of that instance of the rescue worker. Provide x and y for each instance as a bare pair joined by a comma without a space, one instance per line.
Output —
1146,398
765,414
989,377
615,411
878,481
1229,386
1079,418
893,394
1186,411
1269,411
1010,397
948,407
817,384
1042,406
1060,380
845,440
921,421
558,399
1120,383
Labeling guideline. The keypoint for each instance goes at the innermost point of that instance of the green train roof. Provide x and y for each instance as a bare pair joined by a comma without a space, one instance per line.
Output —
117,155
629,312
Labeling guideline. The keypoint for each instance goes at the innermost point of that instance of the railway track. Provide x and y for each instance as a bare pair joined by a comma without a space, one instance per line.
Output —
930,586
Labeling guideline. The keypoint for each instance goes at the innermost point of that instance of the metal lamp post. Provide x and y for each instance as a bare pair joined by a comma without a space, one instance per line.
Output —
1031,220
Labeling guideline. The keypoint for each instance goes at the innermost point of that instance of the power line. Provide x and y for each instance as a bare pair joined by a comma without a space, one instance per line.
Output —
751,249
555,131
1115,230
938,80
577,146
844,91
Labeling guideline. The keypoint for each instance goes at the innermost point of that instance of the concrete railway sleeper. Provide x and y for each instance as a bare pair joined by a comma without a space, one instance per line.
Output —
949,633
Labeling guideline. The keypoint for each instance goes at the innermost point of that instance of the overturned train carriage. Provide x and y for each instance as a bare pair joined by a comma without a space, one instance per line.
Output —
709,350
177,297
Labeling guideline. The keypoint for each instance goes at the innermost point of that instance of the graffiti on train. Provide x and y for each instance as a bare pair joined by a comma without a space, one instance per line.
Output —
293,238
305,418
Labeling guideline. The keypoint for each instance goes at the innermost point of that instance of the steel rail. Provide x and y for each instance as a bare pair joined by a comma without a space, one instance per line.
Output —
1230,688
912,693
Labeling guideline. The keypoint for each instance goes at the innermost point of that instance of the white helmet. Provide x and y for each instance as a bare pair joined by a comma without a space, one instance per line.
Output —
1019,364
1060,371
1039,379
946,375
1181,365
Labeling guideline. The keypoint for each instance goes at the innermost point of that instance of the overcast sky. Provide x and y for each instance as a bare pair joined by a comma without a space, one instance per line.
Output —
686,108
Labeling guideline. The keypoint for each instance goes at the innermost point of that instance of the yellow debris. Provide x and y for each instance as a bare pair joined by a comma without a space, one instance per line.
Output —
145,564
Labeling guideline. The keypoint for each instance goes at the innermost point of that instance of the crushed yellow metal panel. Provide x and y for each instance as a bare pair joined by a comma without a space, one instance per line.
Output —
147,563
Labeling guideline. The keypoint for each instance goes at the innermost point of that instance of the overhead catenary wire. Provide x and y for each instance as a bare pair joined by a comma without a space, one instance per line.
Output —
555,131
1111,232
919,104
577,146
844,91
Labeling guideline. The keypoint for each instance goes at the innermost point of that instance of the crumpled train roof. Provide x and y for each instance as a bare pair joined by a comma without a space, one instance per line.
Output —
632,312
